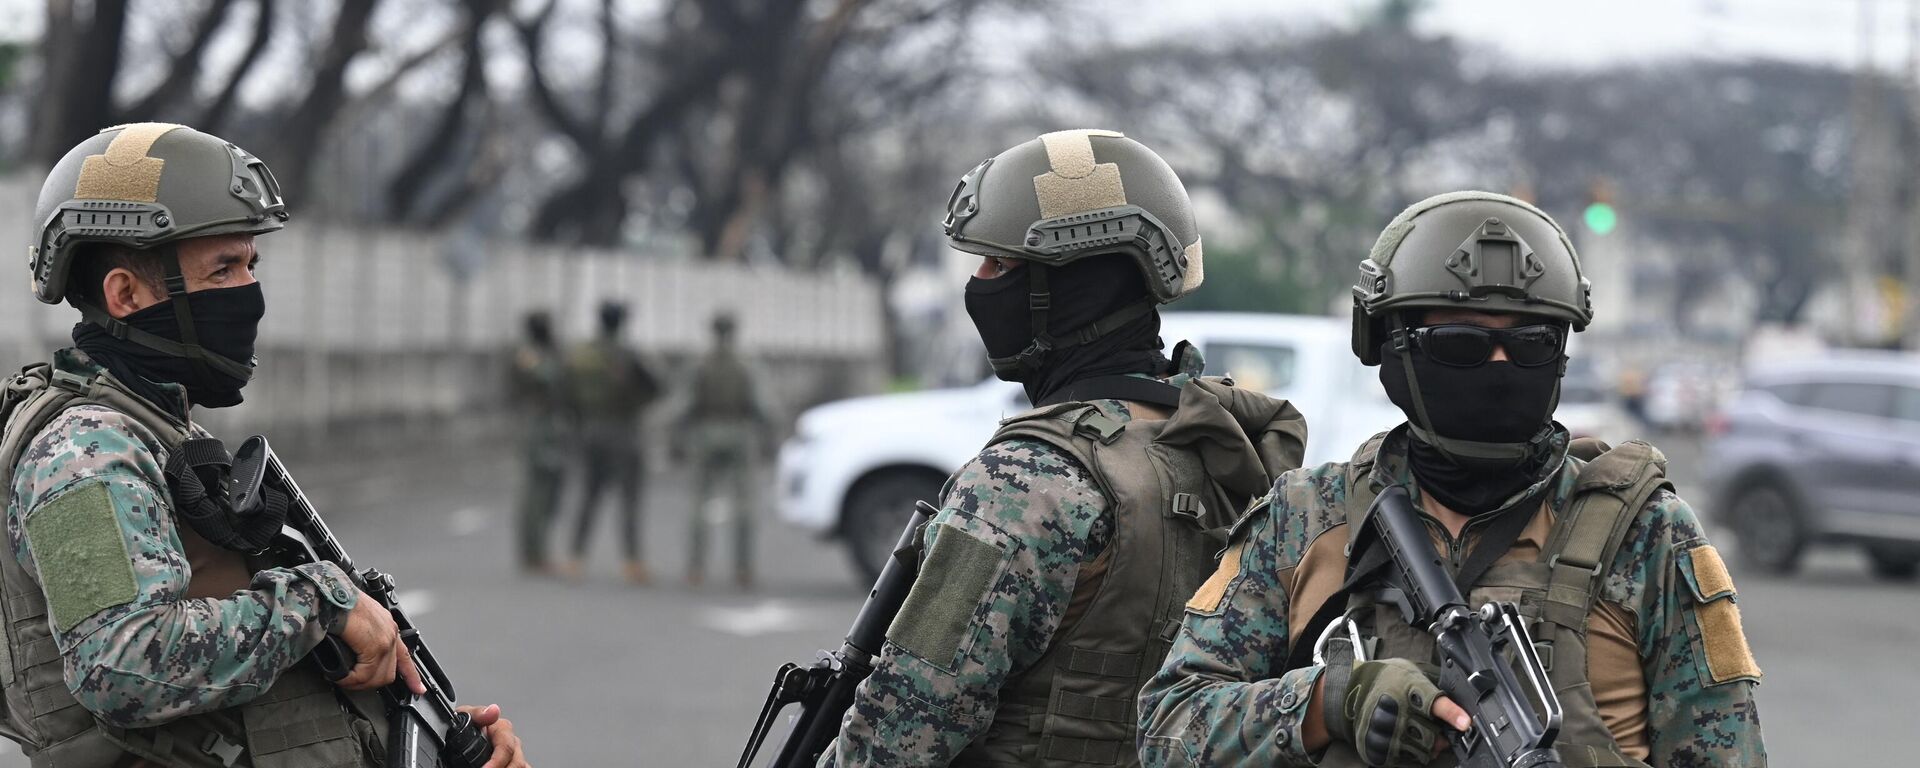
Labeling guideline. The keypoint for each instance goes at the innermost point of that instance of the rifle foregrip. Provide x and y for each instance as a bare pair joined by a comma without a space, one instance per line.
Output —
467,746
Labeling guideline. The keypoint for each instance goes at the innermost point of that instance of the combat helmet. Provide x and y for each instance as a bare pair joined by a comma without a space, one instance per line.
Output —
1468,250
1076,194
147,186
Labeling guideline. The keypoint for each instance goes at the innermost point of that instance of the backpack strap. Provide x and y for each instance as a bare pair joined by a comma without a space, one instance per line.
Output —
1608,495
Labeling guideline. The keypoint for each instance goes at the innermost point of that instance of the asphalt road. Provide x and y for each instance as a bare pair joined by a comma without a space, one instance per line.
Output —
603,674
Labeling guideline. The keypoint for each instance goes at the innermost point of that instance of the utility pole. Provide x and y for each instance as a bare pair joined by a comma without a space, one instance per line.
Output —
1874,221
1909,304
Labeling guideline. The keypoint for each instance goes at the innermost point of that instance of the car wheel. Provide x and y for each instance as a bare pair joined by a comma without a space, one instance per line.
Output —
1767,521
1894,563
877,509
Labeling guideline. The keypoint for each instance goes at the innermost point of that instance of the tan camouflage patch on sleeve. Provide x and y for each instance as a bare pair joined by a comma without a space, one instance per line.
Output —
1724,640
1210,595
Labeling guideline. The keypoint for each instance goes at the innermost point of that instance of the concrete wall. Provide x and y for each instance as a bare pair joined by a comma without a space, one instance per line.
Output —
370,327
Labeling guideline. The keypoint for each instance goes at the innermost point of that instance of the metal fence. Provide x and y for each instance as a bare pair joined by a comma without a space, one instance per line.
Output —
367,325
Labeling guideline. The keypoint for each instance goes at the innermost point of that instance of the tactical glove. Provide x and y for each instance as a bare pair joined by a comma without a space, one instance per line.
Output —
1384,708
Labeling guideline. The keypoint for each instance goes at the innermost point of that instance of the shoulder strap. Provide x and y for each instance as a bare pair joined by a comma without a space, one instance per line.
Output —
39,392
1607,497
1074,428
1360,490
1360,493
31,399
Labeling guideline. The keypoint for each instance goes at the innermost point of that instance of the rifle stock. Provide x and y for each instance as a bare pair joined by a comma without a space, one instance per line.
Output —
825,690
425,731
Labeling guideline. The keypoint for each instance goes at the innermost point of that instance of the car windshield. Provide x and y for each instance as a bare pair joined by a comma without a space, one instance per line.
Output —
1259,367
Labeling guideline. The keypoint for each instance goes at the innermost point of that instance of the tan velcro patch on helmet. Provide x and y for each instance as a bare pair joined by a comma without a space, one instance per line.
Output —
1196,269
1077,184
125,172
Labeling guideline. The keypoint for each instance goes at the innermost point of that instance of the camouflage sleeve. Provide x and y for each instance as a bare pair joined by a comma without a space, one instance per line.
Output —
91,524
1220,698
999,570
1700,671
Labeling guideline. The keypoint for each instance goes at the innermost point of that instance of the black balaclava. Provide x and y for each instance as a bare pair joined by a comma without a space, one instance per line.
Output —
225,322
1491,403
539,330
1082,293
613,315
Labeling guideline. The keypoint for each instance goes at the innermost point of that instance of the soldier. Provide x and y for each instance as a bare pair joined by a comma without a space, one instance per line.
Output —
611,391
1465,304
727,426
1052,577
536,386
134,633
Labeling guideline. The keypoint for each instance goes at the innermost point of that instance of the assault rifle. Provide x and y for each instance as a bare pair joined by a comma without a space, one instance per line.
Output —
825,690
424,729
1472,648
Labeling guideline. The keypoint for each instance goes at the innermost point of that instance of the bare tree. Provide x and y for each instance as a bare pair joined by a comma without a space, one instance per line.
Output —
441,142
81,57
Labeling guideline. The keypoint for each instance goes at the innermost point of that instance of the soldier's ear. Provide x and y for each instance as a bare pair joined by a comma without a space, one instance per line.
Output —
125,293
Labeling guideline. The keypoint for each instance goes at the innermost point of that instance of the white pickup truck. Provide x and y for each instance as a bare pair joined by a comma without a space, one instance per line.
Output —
854,468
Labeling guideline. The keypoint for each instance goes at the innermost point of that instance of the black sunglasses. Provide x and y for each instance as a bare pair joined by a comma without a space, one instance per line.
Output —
1465,346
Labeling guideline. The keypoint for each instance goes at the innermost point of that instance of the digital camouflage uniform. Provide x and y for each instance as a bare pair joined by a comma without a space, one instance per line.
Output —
1052,579
536,384
1221,698
1077,597
157,641
725,427
1047,508
128,637
611,389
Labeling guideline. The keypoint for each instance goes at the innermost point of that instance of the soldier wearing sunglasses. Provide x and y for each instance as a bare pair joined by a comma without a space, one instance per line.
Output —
1465,304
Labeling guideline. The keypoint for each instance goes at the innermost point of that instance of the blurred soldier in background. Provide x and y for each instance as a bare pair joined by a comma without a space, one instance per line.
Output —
137,629
1050,579
727,431
536,384
611,389
1465,304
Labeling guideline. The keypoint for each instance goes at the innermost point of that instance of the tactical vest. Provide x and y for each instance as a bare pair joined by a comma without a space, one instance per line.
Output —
1555,593
298,723
723,390
1076,705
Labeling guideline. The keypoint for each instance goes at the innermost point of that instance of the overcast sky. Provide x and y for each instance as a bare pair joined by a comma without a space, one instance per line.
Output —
1575,33
1591,32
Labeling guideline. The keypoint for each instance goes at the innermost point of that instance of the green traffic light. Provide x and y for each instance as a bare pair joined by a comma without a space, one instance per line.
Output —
1601,218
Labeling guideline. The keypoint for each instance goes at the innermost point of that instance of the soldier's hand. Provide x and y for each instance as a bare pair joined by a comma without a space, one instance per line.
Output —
379,654
1393,714
499,730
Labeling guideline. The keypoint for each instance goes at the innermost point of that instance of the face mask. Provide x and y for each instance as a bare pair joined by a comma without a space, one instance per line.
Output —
1081,293
998,307
1494,402
225,322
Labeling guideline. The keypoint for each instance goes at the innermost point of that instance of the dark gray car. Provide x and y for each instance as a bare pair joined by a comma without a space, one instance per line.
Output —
1824,450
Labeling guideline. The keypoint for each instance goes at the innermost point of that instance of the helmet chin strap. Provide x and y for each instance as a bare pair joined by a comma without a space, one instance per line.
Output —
1039,303
202,359
1453,448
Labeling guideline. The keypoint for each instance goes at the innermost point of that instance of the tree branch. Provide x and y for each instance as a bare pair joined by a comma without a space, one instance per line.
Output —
532,38
215,115
184,66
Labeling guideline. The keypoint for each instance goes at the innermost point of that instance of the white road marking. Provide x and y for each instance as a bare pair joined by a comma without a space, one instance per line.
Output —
765,618
468,521
418,602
